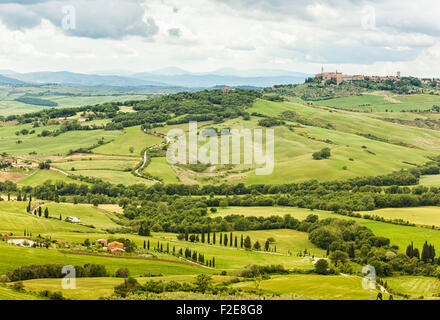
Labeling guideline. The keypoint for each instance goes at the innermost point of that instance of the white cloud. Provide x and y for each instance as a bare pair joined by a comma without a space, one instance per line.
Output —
203,35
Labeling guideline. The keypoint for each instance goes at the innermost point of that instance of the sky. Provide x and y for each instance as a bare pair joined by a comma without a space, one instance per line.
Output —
352,36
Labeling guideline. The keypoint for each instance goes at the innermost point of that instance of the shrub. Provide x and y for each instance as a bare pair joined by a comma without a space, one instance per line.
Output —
321,266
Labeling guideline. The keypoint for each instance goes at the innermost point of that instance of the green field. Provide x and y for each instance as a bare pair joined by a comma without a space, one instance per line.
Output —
399,235
14,218
116,170
64,98
10,294
115,177
133,137
226,257
430,180
314,287
383,101
46,146
415,287
94,288
293,151
38,177
160,168
424,216
12,257
120,164
89,215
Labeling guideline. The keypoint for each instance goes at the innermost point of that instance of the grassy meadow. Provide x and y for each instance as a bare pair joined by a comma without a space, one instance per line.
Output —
399,235
341,287
134,138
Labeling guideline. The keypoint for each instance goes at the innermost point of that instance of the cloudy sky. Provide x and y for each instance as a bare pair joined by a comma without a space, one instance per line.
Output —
354,36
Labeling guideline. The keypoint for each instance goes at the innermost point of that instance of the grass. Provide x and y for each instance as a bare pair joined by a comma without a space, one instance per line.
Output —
94,288
88,214
97,164
12,257
39,177
15,219
115,177
399,235
47,146
9,106
286,241
159,167
293,160
113,170
415,286
225,257
314,287
7,293
430,180
133,137
424,216
378,103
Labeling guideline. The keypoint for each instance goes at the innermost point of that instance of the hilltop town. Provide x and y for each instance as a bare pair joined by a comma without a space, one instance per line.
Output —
338,77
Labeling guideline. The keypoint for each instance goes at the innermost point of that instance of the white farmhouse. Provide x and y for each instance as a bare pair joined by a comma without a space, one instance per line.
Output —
73,220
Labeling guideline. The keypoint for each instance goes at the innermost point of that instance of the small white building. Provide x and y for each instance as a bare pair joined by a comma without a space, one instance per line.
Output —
21,242
73,220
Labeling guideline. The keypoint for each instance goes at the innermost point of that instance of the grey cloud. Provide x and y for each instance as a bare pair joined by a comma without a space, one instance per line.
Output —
174,32
96,19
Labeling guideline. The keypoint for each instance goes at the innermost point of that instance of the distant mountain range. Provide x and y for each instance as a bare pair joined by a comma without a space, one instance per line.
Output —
10,81
166,77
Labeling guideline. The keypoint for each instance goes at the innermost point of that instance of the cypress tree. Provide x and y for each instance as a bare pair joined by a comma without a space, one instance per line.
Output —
351,251
145,245
266,245
236,242
225,239
230,239
241,242
247,243
416,253
46,212
425,252
410,250
213,238
213,262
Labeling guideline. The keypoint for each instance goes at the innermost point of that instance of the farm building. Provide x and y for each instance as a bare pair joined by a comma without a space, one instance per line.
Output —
116,248
102,242
73,220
